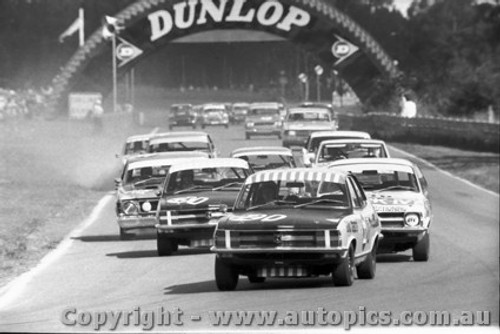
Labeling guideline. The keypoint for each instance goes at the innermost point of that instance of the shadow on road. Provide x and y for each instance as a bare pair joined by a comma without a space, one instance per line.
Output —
111,237
391,258
244,285
154,253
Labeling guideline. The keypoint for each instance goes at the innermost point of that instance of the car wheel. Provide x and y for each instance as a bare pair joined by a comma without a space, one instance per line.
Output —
247,136
194,126
279,136
203,126
124,235
256,279
368,267
226,276
165,246
226,126
343,274
170,127
422,249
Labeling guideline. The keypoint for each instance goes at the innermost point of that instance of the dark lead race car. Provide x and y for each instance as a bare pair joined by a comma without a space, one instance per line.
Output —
194,196
297,223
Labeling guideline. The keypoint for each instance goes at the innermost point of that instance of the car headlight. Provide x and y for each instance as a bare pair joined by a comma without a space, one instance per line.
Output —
130,208
249,124
146,206
220,238
292,133
277,123
412,219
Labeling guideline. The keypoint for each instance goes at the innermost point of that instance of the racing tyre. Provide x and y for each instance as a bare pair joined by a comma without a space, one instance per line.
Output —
256,279
343,274
226,126
247,136
422,249
170,127
194,126
368,267
124,235
279,136
226,277
203,126
165,246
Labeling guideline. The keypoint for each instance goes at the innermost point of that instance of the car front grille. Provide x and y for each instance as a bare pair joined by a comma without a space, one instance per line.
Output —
285,239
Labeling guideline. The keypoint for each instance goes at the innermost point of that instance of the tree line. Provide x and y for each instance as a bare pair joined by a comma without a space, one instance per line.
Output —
447,50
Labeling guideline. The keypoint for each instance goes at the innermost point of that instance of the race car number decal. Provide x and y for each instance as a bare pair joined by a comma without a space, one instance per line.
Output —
257,216
191,200
389,208
391,201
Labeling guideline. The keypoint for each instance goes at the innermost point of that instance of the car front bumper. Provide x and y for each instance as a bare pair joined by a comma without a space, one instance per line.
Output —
135,222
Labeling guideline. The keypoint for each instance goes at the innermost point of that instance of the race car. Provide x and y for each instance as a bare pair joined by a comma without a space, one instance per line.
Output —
266,157
263,119
399,192
214,114
321,105
300,122
332,150
134,145
182,115
316,137
194,195
239,112
297,223
138,188
183,141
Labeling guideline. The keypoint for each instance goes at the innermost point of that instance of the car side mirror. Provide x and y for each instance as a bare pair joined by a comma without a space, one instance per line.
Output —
117,155
118,181
158,193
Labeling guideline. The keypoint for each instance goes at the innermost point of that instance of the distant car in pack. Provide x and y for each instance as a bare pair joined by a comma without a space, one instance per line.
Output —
327,106
182,115
399,193
134,145
183,141
297,223
337,149
301,122
214,114
266,157
316,137
239,112
138,187
195,194
263,119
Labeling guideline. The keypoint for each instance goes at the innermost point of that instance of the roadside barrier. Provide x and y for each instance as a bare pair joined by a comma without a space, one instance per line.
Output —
459,133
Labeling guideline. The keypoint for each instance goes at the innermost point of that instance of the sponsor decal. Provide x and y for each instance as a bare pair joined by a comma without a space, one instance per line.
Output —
390,208
391,201
187,14
257,217
191,200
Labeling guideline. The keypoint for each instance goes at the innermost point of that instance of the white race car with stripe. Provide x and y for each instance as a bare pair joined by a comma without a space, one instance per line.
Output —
398,191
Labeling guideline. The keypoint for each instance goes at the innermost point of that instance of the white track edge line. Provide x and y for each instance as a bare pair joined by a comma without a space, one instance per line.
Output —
430,164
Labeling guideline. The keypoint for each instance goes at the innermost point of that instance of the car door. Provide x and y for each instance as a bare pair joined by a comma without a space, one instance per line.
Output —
366,214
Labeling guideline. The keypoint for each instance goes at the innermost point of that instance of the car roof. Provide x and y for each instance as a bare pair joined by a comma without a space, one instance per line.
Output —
179,134
135,138
162,162
261,150
241,104
174,139
352,141
214,105
356,134
298,174
210,163
167,155
394,163
264,105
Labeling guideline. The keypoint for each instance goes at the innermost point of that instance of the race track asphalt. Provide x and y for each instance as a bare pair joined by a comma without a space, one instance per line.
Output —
94,271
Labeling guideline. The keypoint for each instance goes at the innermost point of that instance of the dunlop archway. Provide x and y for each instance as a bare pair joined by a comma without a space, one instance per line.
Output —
149,24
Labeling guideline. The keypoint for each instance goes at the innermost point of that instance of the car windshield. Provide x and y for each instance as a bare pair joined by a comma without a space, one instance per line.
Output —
387,180
296,194
179,146
182,113
310,116
144,177
214,113
264,112
199,179
136,147
314,143
268,161
330,153
240,110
